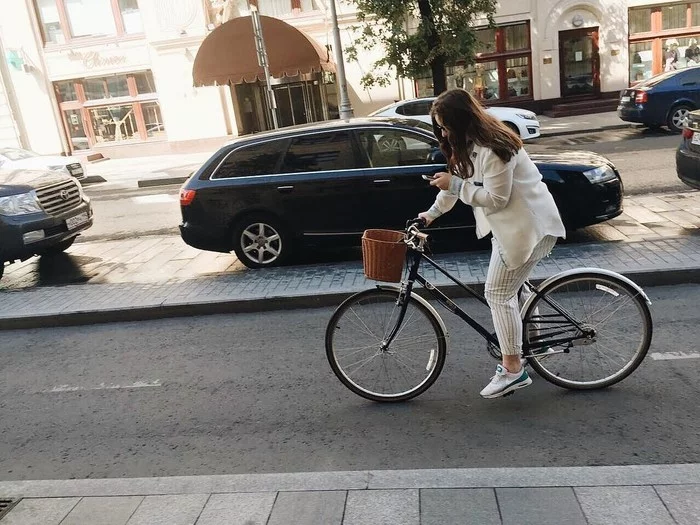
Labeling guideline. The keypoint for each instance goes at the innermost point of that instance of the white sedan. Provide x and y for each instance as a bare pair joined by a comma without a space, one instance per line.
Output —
522,121
16,158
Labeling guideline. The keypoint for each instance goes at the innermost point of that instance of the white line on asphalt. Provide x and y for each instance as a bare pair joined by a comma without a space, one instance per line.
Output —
658,356
103,386
154,199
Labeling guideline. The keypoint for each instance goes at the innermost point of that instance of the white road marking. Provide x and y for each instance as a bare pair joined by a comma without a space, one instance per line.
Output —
658,356
154,199
103,386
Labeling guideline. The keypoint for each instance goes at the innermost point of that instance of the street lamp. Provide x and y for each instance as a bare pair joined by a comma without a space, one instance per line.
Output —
345,109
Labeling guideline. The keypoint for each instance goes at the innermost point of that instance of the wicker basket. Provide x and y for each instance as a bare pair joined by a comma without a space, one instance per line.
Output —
383,255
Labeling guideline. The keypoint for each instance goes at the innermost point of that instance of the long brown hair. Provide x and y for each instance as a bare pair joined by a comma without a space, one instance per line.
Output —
467,123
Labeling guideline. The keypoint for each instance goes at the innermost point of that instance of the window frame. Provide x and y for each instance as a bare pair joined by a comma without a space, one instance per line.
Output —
69,39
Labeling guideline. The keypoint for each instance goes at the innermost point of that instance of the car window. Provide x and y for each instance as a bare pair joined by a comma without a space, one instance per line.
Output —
415,108
388,147
320,152
257,159
689,76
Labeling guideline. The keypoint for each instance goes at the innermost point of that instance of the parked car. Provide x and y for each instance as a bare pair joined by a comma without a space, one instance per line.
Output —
266,194
522,121
662,100
41,213
16,158
688,152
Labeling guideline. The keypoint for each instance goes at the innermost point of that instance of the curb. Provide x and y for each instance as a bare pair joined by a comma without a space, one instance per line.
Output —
166,181
644,278
588,130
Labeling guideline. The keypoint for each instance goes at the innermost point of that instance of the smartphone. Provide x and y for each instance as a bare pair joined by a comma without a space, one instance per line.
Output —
428,177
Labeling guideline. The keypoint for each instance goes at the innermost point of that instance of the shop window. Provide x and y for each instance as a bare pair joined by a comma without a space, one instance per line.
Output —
674,16
640,20
518,75
131,16
517,37
641,61
695,14
76,130
145,83
114,123
153,120
278,8
485,40
106,87
66,91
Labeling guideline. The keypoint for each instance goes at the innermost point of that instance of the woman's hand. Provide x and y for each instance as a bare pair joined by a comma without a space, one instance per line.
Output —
442,180
424,215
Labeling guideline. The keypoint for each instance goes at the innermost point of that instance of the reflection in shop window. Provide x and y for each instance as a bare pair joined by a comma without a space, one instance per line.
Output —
481,80
144,83
517,37
153,120
640,61
688,52
114,123
90,17
674,16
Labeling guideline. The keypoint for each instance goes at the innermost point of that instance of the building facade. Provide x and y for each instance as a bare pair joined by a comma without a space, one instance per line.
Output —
118,77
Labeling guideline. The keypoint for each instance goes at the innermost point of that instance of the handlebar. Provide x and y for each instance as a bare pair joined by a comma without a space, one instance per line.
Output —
413,236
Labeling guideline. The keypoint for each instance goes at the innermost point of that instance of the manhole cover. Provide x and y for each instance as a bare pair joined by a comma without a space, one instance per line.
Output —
6,505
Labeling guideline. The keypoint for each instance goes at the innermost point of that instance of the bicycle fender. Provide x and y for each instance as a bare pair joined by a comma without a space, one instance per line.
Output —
580,271
422,301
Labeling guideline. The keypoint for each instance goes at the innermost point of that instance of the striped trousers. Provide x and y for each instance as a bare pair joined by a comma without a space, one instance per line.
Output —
501,292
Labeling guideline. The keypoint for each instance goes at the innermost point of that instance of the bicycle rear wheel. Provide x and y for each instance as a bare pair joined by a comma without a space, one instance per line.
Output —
401,371
616,312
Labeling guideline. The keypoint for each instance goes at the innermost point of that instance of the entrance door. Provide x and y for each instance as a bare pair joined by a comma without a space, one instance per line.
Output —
579,62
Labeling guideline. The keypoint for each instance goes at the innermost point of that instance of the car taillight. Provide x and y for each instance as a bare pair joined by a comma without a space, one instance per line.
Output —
641,97
186,197
687,133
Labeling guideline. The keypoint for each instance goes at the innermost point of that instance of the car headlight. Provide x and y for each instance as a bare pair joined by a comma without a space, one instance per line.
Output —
600,174
527,116
21,204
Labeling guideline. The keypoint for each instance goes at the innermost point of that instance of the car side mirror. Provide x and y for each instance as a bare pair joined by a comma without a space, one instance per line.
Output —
436,157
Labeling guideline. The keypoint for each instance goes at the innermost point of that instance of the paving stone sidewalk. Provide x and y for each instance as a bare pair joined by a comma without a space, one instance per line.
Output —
626,495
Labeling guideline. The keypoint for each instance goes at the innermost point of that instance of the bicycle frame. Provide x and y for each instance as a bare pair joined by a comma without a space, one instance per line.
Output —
415,256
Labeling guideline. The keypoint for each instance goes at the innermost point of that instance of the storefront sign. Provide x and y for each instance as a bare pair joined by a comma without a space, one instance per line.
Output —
93,60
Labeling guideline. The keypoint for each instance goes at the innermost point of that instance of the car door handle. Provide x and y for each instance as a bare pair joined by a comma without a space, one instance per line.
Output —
381,181
285,189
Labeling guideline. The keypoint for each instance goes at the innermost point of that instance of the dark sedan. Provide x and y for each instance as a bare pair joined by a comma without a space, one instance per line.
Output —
662,100
688,152
263,195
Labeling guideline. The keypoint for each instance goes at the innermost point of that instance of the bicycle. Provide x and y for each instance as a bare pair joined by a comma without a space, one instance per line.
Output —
389,344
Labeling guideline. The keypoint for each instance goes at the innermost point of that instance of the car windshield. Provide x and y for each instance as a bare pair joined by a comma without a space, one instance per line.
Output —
17,154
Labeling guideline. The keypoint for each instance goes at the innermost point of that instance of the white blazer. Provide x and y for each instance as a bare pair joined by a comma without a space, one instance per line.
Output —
510,201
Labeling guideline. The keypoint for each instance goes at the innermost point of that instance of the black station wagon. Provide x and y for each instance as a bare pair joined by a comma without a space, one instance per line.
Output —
263,195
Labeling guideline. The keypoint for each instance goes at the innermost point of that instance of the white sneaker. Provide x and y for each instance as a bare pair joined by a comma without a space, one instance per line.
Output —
504,383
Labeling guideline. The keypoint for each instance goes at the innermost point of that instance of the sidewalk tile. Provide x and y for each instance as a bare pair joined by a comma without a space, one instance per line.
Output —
682,501
113,510
42,511
182,509
539,506
622,506
251,508
308,508
462,506
382,507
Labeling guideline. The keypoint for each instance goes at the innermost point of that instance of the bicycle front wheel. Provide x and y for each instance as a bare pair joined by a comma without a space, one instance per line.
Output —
618,316
397,372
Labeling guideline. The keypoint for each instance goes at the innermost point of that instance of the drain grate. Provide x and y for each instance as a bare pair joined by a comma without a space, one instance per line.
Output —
6,505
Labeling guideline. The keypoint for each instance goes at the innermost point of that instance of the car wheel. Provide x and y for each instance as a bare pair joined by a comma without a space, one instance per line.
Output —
57,248
513,128
387,144
677,117
260,241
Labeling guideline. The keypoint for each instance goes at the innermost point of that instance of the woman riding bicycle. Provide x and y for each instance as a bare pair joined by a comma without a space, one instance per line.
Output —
491,172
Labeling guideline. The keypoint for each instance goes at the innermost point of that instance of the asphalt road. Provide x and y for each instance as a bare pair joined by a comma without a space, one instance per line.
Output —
644,158
254,393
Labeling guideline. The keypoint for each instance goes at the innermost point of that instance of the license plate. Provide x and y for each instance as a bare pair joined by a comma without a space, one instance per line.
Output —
625,99
74,222
696,138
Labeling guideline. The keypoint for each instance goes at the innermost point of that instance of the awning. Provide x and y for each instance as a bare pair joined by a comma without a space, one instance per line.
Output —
228,54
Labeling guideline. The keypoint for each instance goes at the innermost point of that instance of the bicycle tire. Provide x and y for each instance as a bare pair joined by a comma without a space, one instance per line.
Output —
610,343
357,329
